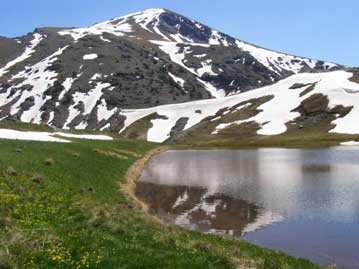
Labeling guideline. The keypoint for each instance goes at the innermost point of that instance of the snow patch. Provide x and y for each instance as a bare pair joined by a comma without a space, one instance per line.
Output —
178,80
89,101
216,93
103,113
92,56
46,136
181,200
200,56
264,219
84,136
207,207
67,84
29,50
105,39
120,26
95,77
206,69
32,136
350,143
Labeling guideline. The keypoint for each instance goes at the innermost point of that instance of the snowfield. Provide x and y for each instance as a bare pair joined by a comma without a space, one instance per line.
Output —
276,112
350,143
90,137
32,136
46,136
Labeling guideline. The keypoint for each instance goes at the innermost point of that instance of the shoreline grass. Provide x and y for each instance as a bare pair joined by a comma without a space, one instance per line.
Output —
298,140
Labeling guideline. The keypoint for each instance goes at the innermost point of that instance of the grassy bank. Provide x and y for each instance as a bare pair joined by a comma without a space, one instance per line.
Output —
297,140
61,207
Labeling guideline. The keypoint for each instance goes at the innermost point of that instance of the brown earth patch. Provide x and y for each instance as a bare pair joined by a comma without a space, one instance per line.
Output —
111,154
129,153
138,130
308,90
132,175
355,77
202,132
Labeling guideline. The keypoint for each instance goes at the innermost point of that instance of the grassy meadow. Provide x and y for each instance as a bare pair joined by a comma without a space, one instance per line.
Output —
61,206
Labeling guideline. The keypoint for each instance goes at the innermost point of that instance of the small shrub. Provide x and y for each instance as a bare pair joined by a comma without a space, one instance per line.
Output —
49,161
11,171
37,179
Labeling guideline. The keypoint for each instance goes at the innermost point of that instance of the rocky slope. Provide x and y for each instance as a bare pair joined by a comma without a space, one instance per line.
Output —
122,74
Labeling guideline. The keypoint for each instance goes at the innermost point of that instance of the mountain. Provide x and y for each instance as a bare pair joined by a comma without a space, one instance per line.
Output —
148,69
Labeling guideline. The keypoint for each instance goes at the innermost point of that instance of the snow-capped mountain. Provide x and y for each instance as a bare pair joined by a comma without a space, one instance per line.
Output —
127,69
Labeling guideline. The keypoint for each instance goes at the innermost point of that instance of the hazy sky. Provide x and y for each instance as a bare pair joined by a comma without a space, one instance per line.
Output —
322,29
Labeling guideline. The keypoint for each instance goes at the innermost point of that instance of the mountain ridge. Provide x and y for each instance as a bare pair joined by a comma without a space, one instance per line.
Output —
246,41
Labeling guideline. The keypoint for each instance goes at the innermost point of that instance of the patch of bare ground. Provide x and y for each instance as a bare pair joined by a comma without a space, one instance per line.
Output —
316,116
139,129
308,88
133,173
202,132
129,153
355,77
111,154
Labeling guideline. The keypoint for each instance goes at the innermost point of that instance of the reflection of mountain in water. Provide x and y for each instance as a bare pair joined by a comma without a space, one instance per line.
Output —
293,183
197,209
238,192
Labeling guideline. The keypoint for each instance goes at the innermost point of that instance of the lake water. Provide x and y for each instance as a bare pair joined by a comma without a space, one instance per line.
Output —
303,202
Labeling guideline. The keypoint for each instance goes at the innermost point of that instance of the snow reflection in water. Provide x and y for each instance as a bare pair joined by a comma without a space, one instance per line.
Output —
277,198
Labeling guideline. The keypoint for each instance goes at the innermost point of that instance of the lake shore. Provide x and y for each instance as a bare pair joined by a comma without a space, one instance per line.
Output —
133,174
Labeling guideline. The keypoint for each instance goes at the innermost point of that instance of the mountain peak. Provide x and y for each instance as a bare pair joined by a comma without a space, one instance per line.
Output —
154,10
149,13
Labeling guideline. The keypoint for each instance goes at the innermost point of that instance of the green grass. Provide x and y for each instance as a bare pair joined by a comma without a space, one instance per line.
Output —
22,126
289,140
70,213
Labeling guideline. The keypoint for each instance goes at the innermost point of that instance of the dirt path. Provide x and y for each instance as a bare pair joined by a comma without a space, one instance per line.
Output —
134,172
